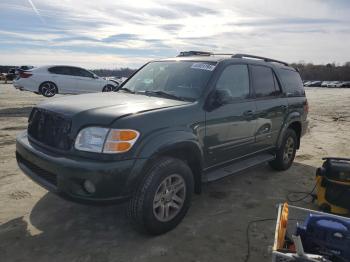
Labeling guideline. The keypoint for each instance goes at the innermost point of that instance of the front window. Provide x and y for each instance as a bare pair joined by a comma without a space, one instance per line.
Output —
175,79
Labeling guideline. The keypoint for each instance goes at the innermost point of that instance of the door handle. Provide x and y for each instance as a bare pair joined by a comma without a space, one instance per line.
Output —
248,113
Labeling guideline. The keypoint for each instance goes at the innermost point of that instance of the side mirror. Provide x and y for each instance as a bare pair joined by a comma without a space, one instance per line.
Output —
221,97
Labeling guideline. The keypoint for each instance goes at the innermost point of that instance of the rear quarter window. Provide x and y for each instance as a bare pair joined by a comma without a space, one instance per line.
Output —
292,82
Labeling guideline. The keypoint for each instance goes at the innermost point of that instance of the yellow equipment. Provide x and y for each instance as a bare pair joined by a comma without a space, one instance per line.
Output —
333,185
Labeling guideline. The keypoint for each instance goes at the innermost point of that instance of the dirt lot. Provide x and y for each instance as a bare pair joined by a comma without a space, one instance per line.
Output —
38,226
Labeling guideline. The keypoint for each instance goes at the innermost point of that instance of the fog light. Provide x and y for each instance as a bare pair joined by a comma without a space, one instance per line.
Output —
89,186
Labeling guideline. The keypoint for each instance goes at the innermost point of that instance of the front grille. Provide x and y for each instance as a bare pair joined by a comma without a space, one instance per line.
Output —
46,175
50,128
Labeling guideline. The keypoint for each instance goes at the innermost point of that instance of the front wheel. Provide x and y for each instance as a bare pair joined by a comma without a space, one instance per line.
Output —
286,153
163,198
108,88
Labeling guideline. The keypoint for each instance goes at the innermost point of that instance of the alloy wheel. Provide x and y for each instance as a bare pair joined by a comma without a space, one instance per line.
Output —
108,88
169,198
288,150
48,89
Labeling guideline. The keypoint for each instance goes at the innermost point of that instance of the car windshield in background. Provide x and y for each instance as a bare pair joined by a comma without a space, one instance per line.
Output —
183,80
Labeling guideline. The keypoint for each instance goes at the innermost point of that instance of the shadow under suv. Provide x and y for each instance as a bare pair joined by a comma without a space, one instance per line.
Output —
174,124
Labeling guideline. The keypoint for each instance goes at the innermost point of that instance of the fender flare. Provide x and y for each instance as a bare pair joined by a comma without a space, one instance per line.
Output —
161,143
291,118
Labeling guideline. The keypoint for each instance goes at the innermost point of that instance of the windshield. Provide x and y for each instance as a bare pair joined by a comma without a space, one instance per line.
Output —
181,79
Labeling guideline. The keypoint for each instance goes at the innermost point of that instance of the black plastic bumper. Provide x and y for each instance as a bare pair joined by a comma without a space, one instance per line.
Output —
304,126
66,176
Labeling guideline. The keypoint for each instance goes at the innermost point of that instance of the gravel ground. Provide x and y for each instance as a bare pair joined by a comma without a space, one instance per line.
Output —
38,226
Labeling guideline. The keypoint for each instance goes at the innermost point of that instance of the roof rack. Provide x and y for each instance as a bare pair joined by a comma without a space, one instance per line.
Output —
260,58
201,53
194,53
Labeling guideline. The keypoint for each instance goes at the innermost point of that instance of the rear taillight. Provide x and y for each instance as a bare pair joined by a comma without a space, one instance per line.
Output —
24,75
306,107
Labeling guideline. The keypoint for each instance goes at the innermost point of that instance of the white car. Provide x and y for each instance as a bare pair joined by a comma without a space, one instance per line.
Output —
333,84
50,80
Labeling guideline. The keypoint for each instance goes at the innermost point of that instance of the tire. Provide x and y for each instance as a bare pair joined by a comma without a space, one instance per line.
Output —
108,88
151,198
286,153
48,89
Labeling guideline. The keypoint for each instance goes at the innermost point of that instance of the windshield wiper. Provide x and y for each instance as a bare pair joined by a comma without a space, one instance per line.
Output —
126,90
167,95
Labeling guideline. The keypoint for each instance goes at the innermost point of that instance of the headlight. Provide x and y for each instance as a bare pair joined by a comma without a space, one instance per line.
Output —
99,139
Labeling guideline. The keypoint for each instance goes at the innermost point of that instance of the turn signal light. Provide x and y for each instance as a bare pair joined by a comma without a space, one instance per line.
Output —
123,135
117,147
120,140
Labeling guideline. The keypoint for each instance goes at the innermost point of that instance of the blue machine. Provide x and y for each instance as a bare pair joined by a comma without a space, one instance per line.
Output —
327,236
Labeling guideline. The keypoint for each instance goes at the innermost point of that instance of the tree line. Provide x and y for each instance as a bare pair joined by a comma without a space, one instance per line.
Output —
328,72
120,72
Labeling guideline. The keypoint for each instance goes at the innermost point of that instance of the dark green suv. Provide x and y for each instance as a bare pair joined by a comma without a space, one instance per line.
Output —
174,124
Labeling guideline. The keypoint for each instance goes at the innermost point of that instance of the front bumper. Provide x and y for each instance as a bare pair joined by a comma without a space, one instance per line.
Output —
66,176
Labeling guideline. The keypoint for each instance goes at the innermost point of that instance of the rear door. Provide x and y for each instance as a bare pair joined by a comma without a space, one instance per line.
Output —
271,106
86,81
230,128
63,77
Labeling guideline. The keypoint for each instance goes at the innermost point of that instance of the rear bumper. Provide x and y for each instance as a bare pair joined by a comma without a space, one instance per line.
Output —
304,127
65,176
17,85
26,84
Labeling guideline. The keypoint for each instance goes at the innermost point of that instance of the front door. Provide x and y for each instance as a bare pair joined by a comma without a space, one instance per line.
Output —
64,78
87,83
230,127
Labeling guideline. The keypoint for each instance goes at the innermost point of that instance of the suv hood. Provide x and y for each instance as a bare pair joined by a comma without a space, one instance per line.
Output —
104,108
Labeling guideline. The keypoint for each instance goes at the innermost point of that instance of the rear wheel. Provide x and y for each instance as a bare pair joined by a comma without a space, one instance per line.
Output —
108,88
163,198
286,153
48,89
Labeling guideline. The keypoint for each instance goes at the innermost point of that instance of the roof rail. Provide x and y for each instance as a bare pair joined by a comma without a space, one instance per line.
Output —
194,53
223,54
260,58
201,53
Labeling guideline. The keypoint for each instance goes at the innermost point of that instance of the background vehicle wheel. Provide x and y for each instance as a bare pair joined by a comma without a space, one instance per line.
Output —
163,198
108,88
48,89
286,153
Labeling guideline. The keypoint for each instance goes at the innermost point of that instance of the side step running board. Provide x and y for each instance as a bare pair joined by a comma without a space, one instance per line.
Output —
237,166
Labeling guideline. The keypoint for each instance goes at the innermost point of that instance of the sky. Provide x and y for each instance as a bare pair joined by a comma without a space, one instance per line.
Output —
125,33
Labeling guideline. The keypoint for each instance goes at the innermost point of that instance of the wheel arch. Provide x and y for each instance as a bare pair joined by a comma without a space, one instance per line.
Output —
188,151
191,154
295,124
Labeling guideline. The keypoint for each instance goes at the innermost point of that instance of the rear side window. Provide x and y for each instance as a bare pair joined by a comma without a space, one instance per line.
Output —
292,82
235,80
264,81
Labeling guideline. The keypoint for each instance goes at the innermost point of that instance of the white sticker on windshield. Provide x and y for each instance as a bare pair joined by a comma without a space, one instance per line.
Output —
203,66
